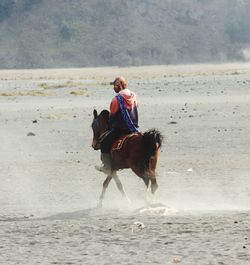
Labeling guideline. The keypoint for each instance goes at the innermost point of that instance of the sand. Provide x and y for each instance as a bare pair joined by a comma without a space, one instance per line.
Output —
49,187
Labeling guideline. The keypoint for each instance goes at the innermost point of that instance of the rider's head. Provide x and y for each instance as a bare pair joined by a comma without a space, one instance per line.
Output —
119,84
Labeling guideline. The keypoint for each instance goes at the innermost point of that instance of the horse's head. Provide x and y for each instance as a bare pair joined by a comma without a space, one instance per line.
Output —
99,126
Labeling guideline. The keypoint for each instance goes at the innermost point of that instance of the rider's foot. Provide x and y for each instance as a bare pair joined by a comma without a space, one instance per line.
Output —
103,169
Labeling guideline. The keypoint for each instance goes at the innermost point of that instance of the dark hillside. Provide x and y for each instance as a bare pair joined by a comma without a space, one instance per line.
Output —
77,33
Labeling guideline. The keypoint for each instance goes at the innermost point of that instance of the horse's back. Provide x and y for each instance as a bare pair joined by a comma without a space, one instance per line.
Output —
127,150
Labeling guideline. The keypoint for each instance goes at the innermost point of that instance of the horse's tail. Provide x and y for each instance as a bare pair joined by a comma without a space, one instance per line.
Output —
151,142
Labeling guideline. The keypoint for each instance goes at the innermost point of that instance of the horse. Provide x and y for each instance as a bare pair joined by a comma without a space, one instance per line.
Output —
139,152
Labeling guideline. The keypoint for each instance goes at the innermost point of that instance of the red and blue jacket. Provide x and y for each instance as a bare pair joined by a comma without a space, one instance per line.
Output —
116,118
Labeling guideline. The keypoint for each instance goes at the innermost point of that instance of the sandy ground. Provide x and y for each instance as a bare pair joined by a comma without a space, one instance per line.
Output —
49,187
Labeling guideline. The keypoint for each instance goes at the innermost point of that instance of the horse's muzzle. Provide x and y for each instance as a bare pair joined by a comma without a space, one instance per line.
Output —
96,145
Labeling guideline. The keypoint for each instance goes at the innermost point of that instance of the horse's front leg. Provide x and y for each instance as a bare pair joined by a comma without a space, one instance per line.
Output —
105,185
120,187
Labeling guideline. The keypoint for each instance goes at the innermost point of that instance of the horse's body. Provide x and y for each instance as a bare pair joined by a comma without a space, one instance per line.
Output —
138,152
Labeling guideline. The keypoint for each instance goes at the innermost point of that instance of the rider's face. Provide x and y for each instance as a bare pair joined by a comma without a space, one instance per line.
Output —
117,87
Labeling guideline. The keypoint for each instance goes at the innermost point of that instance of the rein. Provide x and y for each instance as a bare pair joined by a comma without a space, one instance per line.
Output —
103,135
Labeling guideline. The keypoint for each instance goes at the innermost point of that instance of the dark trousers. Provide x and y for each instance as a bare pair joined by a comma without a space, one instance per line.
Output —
111,138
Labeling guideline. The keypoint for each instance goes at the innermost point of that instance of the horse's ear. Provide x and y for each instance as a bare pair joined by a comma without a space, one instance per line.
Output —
95,113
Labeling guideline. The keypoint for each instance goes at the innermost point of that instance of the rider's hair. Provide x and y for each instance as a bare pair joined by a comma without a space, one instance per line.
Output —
122,81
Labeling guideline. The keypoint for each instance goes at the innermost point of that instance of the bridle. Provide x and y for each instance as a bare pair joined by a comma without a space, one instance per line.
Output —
102,136
95,125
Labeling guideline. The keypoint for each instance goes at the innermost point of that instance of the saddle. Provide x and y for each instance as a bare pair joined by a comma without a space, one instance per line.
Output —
118,144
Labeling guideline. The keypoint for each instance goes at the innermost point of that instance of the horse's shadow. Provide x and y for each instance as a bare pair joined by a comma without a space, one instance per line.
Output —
85,213
91,212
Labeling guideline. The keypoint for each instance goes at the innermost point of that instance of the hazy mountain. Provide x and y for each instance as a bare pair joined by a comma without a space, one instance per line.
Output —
76,33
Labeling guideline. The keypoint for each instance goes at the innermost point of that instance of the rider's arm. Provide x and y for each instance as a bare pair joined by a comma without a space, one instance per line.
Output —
114,106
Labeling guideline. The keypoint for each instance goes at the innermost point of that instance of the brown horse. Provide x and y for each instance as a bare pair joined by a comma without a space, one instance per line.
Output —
138,152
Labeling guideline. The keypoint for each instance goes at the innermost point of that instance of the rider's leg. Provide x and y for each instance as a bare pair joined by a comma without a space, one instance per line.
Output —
105,150
106,167
105,156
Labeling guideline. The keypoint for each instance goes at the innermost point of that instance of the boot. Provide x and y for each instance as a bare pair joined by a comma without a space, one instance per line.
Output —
106,167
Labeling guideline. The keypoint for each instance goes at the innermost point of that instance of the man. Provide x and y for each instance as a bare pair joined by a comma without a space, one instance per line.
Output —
123,119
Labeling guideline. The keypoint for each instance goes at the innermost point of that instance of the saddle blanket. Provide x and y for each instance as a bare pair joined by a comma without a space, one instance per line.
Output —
118,144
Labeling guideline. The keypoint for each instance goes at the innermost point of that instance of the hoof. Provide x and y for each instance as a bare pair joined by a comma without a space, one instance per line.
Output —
154,188
99,205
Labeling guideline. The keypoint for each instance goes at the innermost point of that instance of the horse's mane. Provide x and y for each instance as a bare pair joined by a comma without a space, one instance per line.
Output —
105,114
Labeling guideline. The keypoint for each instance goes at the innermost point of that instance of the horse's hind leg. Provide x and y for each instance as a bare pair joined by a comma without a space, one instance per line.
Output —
150,177
154,185
152,174
105,185
120,187
150,194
